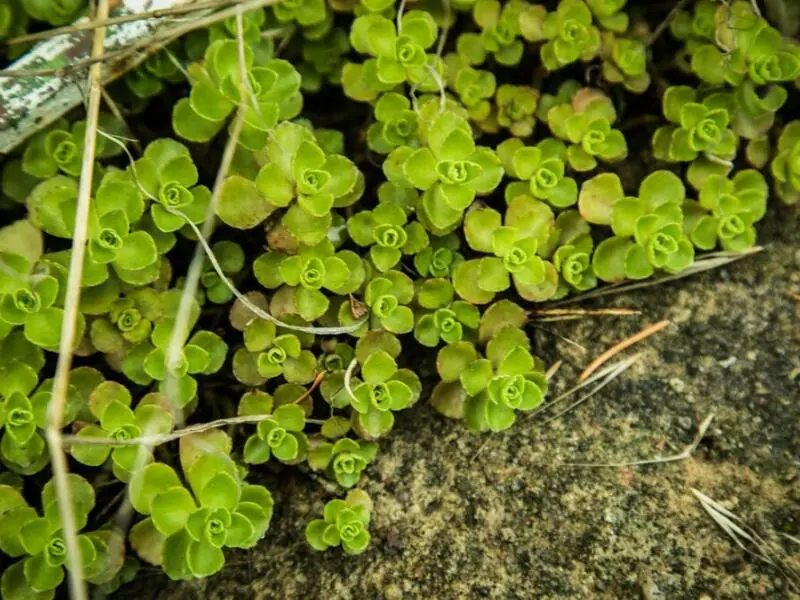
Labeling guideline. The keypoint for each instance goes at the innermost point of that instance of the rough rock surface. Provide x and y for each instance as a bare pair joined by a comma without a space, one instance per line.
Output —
465,516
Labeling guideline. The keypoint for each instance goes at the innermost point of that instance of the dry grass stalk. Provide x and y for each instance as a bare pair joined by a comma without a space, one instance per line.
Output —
708,262
747,539
682,455
67,343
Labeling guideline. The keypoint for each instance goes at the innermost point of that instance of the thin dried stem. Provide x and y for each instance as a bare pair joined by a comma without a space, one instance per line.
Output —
684,454
157,440
348,375
149,441
713,260
67,343
608,374
97,23
626,343
563,338
314,385
244,81
112,106
257,311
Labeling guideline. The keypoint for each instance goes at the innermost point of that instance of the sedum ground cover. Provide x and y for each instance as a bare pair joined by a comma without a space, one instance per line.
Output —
406,182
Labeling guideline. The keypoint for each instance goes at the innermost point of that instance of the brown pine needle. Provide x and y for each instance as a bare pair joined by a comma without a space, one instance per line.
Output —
550,373
617,348
794,296
314,385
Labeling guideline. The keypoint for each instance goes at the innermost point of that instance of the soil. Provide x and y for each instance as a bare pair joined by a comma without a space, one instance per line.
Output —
459,515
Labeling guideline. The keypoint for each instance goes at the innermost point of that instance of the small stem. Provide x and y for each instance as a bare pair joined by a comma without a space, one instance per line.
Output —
196,266
348,374
112,106
156,440
665,23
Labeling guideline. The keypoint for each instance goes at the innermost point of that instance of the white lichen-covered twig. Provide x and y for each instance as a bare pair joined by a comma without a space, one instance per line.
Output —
50,79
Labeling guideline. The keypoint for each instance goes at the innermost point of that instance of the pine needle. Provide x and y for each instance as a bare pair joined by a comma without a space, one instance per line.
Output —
617,348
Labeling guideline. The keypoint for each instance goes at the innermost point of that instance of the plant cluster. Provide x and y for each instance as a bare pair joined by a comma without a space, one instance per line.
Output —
379,250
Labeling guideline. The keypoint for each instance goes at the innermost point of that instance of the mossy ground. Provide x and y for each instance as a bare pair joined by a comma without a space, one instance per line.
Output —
510,522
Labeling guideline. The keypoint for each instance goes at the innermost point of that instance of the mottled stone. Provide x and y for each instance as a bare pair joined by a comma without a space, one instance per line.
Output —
459,515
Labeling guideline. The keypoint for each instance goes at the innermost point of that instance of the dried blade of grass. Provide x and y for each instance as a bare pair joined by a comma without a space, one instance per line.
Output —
605,376
682,455
626,343
563,338
728,522
549,374
545,315
348,375
742,535
258,312
791,538
55,413
175,344
707,262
